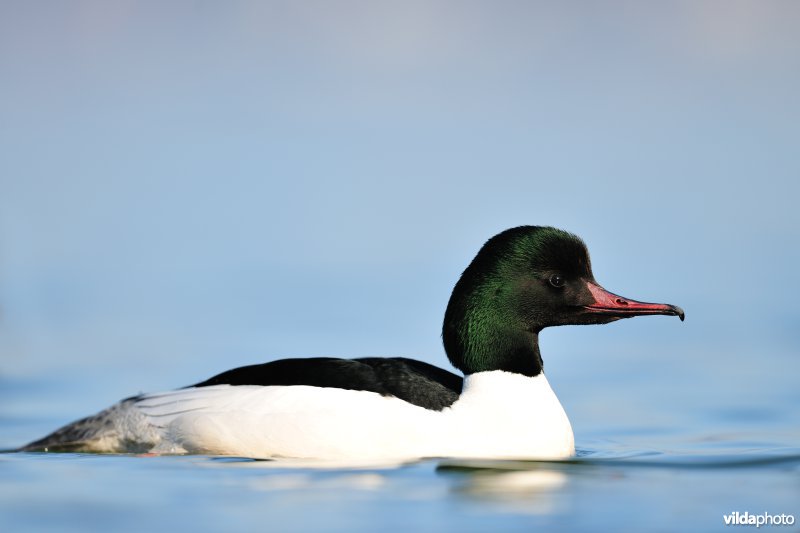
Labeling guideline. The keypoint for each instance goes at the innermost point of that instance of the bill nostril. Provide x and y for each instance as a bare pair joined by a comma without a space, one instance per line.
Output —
620,301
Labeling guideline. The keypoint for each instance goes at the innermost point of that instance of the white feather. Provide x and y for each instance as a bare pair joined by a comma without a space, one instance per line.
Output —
498,415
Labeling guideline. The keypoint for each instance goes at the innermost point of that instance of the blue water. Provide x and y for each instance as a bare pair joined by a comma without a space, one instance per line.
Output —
653,491
684,480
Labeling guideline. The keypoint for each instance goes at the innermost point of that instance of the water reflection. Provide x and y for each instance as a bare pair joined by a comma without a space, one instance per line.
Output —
313,464
523,491
360,481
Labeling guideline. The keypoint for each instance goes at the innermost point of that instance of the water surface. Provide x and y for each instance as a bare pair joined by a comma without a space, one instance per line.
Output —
614,483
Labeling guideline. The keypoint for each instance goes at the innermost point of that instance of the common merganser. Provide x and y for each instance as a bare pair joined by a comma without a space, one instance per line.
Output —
522,280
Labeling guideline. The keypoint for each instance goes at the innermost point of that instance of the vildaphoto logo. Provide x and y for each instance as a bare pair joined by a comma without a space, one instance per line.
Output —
764,519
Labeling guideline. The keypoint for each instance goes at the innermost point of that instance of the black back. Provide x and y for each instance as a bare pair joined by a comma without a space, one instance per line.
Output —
412,381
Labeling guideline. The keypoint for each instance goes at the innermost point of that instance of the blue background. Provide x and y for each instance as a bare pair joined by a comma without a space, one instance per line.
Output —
186,187
191,187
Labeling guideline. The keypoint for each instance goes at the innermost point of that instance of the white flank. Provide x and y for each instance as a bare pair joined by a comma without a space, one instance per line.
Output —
498,415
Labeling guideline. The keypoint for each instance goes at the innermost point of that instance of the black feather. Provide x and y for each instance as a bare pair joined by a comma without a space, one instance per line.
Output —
412,381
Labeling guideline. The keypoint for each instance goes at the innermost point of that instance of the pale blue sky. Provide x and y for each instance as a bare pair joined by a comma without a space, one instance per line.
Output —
194,186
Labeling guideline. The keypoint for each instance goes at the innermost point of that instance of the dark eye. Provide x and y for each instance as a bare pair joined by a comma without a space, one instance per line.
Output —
557,281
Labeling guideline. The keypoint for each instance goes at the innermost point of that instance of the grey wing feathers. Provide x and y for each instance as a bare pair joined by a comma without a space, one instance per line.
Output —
102,432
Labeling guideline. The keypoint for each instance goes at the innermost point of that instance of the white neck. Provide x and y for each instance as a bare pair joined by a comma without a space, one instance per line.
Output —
500,380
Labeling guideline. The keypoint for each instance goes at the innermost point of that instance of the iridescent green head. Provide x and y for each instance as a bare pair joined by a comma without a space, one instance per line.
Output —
523,280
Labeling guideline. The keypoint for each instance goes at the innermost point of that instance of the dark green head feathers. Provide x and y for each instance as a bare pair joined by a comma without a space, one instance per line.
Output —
523,280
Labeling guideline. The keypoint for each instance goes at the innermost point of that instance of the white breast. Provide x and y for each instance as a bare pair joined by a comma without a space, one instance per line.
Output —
498,415
506,415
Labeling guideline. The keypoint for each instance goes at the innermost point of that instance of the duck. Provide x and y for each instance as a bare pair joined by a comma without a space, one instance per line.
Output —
521,281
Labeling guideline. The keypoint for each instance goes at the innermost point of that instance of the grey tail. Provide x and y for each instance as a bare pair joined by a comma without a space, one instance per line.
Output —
96,433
